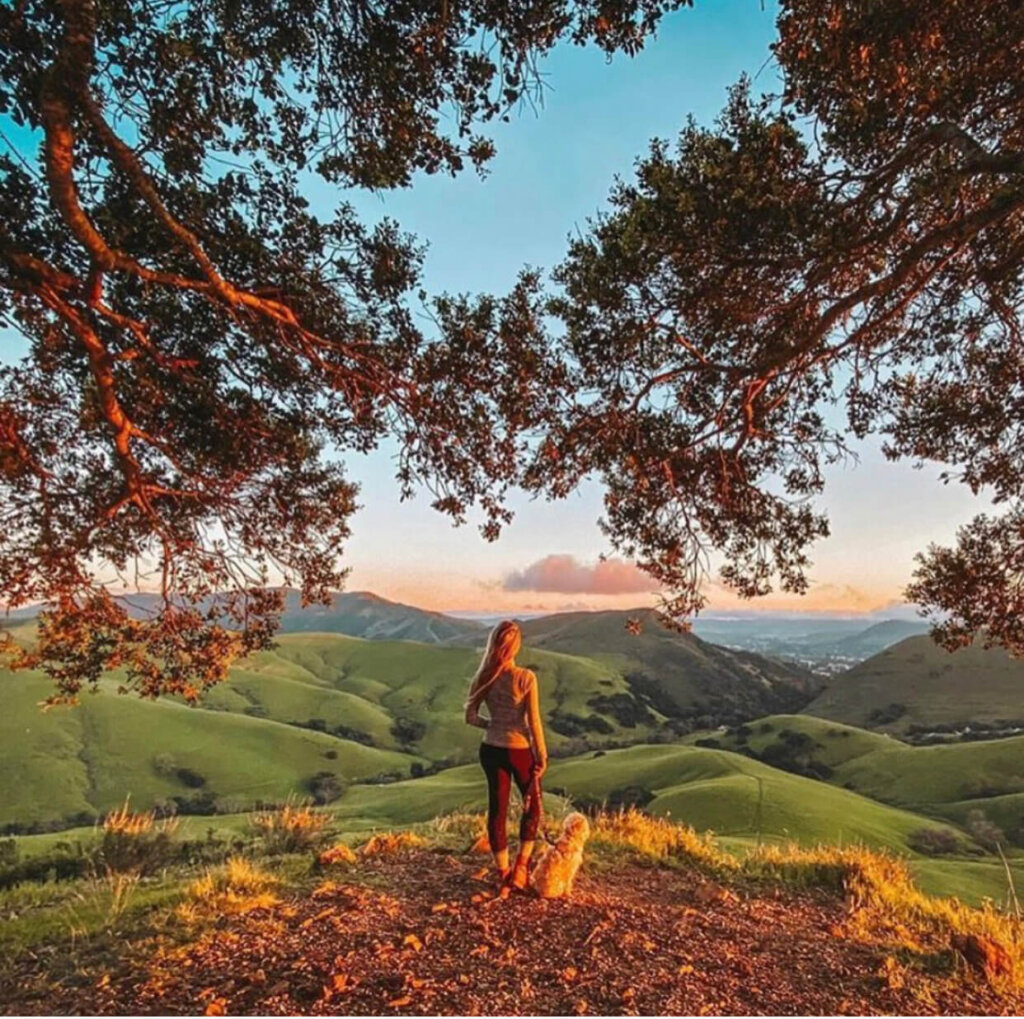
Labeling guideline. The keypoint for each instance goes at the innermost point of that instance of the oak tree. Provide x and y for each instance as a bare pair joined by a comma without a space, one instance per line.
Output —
202,347
840,259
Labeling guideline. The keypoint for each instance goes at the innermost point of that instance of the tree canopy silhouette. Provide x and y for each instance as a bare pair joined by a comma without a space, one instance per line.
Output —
843,258
199,340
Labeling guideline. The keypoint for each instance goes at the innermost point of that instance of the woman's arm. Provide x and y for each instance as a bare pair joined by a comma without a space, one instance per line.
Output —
540,749
473,716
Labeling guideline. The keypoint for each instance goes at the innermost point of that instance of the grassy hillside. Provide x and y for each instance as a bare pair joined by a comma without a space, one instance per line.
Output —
61,762
420,689
916,683
678,673
378,707
949,780
708,789
939,774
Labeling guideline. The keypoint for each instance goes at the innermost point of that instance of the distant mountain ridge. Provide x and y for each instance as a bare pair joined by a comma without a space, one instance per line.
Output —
352,613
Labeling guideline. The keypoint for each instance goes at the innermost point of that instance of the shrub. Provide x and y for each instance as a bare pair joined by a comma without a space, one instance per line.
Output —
567,724
135,841
190,778
625,708
709,743
8,852
987,834
890,713
407,730
289,829
325,787
202,803
629,796
933,841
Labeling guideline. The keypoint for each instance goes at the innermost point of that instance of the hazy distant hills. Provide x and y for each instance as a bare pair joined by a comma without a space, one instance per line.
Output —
915,684
354,613
367,615
875,638
825,644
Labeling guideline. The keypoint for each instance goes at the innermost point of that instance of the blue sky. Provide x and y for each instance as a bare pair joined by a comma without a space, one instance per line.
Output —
552,172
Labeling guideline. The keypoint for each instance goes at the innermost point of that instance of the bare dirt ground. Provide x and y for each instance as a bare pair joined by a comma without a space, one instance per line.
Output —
418,933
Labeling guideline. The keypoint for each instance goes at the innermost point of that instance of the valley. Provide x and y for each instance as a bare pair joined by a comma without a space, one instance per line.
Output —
684,729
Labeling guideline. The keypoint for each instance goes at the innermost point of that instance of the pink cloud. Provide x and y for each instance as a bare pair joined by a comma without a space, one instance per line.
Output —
563,574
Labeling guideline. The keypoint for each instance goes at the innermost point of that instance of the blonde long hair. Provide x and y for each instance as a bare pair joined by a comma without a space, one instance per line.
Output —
502,647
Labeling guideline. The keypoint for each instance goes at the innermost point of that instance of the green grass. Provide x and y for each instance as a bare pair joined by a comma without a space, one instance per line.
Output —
942,774
931,685
715,790
89,758
250,739
837,743
971,881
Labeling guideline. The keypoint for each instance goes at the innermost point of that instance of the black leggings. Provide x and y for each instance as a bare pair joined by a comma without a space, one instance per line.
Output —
501,765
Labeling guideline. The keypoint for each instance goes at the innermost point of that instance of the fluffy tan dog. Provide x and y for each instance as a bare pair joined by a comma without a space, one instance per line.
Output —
557,865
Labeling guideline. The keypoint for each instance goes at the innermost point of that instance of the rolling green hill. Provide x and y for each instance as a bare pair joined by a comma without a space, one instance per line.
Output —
378,707
679,674
379,688
66,761
710,789
950,780
916,683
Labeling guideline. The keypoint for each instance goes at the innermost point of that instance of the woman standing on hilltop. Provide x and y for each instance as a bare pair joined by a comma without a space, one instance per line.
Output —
513,745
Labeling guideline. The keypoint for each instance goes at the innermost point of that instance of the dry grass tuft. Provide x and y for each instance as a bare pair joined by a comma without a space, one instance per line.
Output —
659,839
337,854
237,887
293,828
392,842
135,841
125,821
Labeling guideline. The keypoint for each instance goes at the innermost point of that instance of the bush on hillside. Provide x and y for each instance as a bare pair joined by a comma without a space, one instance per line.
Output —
987,834
325,787
567,724
887,715
407,730
629,796
933,841
190,778
625,708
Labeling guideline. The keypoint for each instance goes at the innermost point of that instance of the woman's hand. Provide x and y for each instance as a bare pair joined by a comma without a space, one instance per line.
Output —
539,767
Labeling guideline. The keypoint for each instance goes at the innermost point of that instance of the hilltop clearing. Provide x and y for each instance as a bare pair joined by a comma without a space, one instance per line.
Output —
411,927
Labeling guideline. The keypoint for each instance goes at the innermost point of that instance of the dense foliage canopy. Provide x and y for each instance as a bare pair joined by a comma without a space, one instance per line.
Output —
198,339
841,259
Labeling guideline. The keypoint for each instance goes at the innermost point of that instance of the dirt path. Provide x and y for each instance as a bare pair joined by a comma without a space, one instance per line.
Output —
414,936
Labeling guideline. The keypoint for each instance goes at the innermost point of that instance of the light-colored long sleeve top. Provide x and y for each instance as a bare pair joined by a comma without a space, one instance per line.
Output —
513,707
